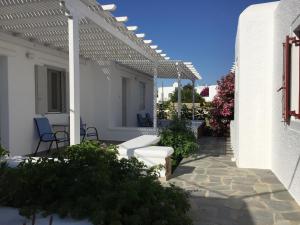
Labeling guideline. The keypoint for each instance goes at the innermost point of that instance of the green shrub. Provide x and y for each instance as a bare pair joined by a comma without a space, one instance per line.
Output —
179,136
3,152
92,183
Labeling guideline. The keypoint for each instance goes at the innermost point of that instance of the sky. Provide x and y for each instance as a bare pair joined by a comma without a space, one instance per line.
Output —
198,31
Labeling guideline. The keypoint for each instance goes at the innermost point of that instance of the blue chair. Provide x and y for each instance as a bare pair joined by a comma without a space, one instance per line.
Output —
46,134
149,120
88,132
140,120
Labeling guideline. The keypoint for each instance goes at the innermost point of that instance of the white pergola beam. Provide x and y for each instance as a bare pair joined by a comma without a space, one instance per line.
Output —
153,46
122,19
179,90
147,41
84,11
132,28
109,7
159,51
141,35
193,100
74,80
155,74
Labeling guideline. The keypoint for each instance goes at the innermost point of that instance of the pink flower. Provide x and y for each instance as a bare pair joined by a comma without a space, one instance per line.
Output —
223,105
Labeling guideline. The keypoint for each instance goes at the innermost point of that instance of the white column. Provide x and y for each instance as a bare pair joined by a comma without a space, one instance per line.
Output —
74,79
179,91
193,81
155,96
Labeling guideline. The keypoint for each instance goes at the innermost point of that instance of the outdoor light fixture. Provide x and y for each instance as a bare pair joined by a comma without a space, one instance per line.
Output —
29,55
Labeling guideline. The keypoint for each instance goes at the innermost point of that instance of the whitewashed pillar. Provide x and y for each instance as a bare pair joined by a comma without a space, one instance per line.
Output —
179,91
74,79
193,81
155,96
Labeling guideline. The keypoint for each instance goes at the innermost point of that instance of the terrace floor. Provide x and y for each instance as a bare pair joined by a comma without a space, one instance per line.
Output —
222,194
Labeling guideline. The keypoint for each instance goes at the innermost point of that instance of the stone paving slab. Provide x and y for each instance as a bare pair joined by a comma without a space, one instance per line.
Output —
222,194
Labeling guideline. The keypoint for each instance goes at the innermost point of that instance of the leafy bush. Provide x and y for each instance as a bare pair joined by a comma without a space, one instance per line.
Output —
179,136
92,183
3,152
187,95
223,106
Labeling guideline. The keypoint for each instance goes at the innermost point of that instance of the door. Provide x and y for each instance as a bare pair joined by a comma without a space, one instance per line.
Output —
124,101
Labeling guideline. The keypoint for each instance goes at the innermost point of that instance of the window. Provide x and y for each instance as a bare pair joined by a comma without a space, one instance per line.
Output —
56,90
291,79
50,90
142,102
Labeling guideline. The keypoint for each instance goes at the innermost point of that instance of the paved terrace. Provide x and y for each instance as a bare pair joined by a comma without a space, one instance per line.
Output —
222,194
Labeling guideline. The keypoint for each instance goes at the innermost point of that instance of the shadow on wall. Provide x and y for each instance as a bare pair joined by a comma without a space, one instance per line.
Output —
294,173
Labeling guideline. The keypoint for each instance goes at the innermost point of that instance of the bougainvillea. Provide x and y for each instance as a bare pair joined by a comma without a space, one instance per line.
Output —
205,92
223,106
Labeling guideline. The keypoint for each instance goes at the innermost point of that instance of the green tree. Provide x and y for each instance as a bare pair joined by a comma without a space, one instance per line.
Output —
187,95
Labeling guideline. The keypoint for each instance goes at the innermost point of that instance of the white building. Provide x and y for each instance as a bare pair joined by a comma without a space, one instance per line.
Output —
164,93
266,130
71,59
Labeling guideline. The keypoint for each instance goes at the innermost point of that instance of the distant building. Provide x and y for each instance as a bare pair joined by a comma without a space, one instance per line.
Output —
164,93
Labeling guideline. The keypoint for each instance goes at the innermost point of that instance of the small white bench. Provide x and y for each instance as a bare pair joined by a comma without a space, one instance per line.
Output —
155,156
142,148
126,149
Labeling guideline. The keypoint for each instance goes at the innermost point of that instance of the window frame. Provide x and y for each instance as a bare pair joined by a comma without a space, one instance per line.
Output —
61,95
287,63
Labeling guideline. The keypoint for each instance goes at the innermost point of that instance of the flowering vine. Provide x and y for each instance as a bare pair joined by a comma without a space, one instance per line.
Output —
223,106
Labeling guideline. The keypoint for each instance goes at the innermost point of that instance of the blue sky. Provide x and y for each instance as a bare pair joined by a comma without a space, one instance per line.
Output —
201,31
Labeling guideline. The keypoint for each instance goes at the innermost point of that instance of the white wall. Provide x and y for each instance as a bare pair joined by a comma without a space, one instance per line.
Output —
285,139
254,89
100,95
261,139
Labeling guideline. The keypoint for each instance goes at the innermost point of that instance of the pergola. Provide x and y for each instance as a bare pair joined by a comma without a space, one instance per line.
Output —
86,29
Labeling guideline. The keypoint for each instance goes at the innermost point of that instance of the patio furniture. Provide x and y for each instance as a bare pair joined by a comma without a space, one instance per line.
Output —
144,121
46,134
155,156
149,120
88,132
140,120
126,149
142,148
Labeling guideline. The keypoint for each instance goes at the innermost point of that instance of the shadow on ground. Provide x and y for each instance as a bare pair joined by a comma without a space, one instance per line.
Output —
222,194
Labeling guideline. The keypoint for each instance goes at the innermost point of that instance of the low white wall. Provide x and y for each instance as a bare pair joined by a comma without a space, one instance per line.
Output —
101,95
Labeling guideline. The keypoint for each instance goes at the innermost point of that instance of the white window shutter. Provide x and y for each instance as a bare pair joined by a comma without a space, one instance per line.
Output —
41,106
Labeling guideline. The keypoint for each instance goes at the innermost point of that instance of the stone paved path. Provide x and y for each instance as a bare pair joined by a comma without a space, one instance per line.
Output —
222,194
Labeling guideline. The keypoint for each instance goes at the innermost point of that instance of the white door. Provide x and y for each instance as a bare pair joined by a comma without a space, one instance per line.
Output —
124,101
